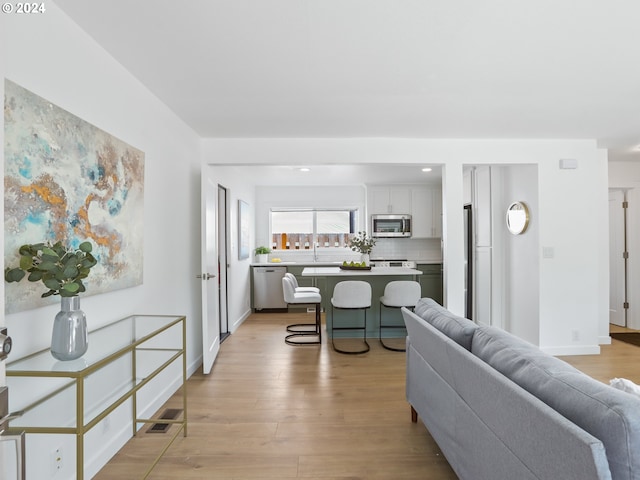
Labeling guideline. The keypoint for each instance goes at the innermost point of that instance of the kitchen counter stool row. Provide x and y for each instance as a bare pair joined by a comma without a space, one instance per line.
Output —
351,300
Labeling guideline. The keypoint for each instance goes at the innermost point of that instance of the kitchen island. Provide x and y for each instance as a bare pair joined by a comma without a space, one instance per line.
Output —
326,279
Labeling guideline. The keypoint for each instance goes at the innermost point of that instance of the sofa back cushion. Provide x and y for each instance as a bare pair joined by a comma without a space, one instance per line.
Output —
606,413
458,329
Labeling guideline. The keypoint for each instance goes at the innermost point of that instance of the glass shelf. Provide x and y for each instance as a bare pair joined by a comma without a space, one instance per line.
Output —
121,359
111,340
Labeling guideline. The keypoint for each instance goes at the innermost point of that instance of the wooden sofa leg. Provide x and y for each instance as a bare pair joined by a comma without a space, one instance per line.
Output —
414,415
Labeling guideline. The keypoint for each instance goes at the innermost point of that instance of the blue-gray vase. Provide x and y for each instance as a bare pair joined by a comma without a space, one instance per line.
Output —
69,337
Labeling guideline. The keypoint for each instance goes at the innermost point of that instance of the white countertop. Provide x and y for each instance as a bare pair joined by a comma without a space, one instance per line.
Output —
326,264
375,271
284,264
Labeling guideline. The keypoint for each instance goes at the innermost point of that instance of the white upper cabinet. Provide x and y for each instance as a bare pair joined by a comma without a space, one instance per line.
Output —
423,203
426,212
389,199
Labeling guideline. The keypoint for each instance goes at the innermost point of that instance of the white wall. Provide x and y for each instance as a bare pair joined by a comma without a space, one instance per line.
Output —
573,208
49,55
521,262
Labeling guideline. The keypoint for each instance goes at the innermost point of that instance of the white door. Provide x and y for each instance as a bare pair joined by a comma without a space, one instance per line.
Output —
617,270
209,264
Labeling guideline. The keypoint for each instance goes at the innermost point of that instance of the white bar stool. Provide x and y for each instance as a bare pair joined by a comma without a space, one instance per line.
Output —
398,294
297,287
351,295
299,331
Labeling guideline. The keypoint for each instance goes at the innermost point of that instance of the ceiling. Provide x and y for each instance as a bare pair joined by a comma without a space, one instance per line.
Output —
384,68
333,174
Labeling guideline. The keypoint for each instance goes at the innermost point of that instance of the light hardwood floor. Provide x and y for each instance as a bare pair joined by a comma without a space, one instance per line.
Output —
273,411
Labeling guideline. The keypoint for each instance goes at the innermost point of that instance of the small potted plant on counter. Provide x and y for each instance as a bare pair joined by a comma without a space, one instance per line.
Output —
262,254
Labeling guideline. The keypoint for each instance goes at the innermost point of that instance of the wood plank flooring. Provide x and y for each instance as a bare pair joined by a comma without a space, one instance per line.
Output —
273,411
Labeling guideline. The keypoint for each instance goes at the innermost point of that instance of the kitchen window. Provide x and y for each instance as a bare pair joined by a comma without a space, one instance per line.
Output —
299,229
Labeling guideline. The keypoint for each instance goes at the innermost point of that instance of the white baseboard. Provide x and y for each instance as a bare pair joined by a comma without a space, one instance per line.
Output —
236,324
572,350
606,340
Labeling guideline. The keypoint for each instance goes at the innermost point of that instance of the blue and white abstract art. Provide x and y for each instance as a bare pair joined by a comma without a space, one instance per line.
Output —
67,180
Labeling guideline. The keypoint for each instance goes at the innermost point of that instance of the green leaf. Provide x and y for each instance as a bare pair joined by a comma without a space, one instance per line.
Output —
30,250
50,258
35,276
89,261
47,266
70,272
86,247
13,274
70,287
48,251
48,294
26,262
52,283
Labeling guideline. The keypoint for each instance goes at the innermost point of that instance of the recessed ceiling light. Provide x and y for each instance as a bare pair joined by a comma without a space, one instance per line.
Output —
305,169
426,169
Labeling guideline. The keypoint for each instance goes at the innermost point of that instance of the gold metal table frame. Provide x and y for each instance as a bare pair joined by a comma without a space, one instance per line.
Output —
107,344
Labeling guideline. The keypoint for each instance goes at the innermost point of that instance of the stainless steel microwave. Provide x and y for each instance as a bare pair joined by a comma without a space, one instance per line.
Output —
392,226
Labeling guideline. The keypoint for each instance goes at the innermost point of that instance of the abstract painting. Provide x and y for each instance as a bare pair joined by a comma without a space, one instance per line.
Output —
67,180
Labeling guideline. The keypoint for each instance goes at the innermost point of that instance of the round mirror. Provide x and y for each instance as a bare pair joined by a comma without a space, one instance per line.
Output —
517,218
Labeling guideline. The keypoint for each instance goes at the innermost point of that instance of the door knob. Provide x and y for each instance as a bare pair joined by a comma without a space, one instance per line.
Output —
205,276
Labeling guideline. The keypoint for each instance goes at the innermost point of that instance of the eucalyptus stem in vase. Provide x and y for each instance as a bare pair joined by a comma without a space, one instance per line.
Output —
62,270
362,243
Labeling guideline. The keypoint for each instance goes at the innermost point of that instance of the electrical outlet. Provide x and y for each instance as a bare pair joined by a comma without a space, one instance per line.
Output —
56,460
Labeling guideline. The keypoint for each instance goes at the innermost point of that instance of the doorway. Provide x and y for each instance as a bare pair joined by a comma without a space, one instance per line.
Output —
223,262
618,255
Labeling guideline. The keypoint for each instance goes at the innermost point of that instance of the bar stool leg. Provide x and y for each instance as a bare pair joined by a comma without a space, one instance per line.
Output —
380,327
300,331
364,329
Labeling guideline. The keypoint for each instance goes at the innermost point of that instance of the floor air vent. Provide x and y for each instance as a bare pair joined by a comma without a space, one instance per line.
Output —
168,414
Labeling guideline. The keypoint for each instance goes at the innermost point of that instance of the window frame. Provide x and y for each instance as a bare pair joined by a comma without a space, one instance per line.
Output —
354,213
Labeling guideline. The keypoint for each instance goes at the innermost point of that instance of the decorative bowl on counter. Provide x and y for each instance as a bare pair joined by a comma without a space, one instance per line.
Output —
354,266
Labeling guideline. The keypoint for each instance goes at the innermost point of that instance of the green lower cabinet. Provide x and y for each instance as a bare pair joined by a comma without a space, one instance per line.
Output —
431,280
346,318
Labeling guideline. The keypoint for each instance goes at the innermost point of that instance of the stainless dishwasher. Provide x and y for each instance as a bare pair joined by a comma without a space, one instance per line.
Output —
267,287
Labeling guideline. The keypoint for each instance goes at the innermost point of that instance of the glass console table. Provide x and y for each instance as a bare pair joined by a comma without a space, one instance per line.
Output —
53,397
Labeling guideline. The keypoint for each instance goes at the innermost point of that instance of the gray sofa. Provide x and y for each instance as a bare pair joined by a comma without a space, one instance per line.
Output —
501,409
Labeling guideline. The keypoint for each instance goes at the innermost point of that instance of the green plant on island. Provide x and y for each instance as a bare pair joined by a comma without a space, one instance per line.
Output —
361,243
61,269
262,250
